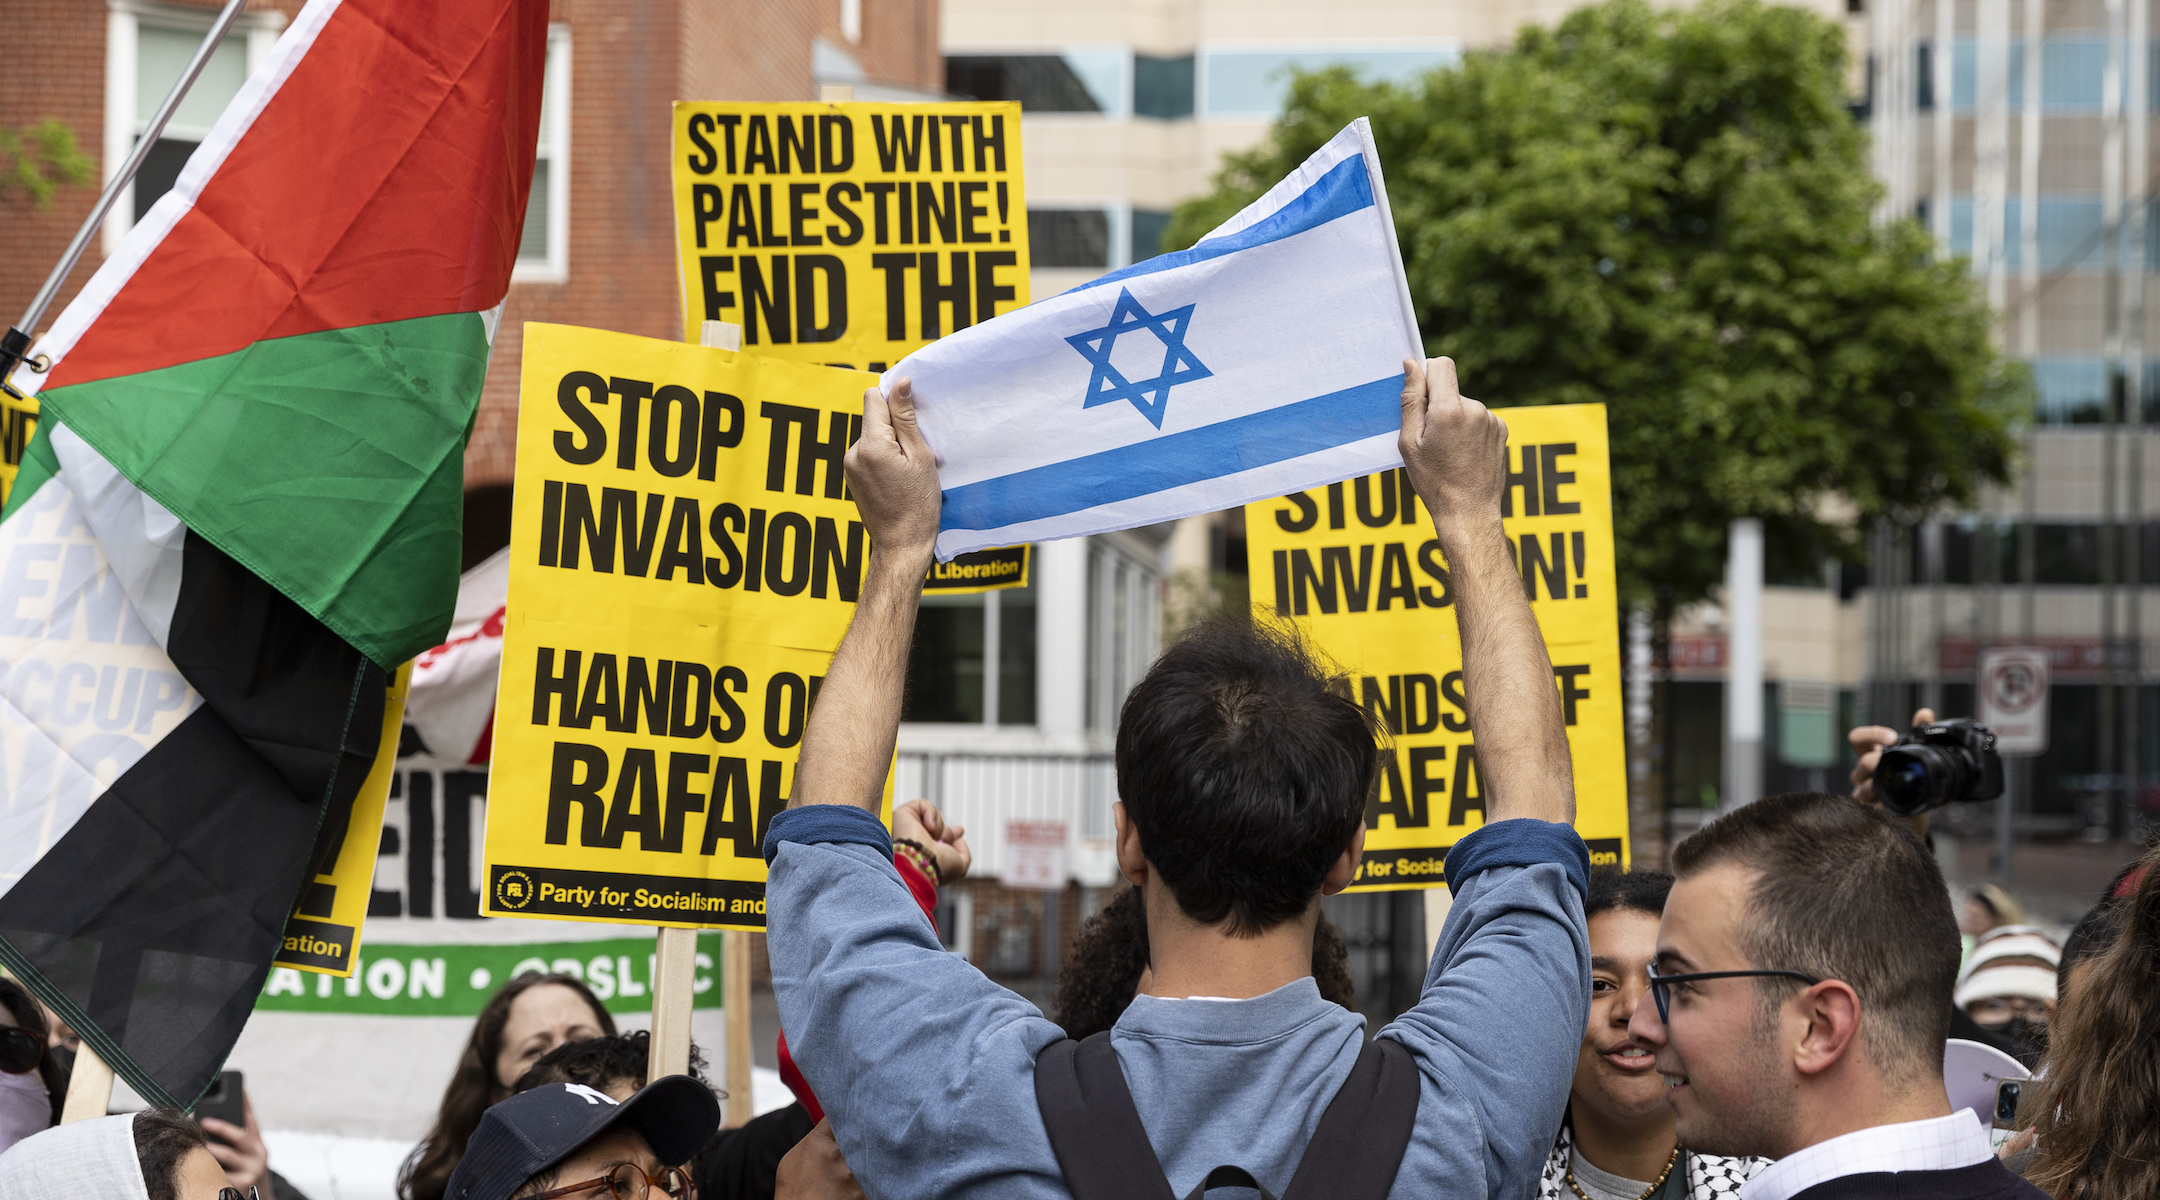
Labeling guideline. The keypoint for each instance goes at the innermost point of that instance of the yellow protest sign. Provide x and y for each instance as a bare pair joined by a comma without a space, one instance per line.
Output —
848,234
979,571
18,420
1356,566
323,932
683,562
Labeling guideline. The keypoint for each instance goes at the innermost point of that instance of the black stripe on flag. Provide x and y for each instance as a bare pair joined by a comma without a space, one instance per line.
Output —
151,924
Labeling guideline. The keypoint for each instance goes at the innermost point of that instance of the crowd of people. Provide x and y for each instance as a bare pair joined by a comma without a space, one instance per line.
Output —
1769,1021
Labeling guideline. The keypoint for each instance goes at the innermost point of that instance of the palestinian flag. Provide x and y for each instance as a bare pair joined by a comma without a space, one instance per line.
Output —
242,508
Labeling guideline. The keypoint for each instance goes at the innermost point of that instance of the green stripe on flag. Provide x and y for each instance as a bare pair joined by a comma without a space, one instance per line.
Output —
331,464
457,980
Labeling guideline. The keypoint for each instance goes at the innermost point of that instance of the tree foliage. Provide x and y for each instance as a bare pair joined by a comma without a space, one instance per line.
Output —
1670,212
37,160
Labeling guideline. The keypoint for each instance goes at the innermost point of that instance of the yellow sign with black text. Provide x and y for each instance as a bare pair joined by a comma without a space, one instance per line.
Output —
848,234
18,420
323,933
1356,567
979,571
684,561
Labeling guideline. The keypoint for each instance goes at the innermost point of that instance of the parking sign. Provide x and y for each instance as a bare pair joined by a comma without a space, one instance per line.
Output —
2013,688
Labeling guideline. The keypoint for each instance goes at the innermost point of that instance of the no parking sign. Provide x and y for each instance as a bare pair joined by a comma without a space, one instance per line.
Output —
2013,688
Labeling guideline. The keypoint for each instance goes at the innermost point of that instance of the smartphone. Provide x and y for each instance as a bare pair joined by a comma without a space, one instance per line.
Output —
2006,1103
225,1100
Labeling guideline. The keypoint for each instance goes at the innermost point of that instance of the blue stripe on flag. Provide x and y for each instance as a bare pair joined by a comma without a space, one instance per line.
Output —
1345,189
1144,468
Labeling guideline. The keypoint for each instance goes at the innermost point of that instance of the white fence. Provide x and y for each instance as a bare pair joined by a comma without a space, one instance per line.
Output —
983,791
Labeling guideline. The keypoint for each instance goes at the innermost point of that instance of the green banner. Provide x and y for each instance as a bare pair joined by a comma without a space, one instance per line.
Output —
456,980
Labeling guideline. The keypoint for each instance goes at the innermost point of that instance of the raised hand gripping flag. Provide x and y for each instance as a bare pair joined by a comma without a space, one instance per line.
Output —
1266,359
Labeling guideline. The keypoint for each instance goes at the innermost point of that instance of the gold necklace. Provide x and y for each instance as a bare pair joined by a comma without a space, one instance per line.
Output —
1647,1193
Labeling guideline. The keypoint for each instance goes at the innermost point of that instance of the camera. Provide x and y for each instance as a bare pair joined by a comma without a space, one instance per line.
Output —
1938,764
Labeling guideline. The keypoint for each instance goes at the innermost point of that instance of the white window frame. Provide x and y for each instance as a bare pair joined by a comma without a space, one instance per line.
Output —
556,152
123,21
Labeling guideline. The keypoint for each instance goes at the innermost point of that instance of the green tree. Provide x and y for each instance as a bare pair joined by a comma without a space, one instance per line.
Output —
1671,212
37,160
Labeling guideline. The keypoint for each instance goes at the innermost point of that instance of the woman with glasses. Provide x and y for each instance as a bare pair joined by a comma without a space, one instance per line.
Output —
1617,1142
567,1140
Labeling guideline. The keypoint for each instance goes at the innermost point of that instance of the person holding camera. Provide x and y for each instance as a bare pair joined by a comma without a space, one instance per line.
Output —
1798,1007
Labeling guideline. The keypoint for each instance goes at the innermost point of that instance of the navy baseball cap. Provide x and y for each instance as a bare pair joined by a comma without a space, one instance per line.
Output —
532,1131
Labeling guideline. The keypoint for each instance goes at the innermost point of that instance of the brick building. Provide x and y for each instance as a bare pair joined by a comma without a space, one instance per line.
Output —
599,241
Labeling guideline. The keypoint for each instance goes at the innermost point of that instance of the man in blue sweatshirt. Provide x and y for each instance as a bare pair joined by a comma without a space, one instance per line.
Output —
1243,783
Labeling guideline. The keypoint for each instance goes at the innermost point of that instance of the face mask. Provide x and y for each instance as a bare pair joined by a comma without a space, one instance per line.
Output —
2030,1038
25,1107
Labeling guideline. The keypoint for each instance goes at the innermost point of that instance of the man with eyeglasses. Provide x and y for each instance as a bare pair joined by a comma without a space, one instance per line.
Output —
1803,960
569,1140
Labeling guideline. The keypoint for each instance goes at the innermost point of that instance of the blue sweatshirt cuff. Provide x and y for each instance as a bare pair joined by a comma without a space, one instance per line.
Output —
843,823
1522,842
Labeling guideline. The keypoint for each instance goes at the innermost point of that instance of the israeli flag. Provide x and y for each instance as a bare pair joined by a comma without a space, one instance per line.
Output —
1266,359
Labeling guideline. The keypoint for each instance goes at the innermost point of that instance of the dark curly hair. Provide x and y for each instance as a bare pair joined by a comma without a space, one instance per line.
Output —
598,1062
1112,951
162,1139
1245,773
1641,890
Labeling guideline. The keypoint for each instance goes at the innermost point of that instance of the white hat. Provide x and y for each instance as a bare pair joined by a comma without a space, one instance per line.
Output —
2005,964
2013,941
88,1160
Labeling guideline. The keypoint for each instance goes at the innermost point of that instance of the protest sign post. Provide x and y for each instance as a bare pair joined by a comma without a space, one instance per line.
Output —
684,561
1356,567
844,233
735,952
90,1087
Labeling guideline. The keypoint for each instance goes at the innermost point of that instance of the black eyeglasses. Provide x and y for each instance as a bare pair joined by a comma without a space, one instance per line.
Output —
1661,985
20,1049
233,1193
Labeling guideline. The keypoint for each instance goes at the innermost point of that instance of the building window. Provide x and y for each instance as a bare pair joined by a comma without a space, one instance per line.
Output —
1162,87
1148,227
1072,81
2072,68
147,47
1124,624
948,682
1069,237
2072,233
544,250
1254,83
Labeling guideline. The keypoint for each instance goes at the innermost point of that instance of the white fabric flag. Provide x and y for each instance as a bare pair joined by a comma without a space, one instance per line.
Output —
1266,359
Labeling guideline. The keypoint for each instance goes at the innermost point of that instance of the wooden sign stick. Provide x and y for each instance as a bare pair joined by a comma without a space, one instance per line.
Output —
90,1088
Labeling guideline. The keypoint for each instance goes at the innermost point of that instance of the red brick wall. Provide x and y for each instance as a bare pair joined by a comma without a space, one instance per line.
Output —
57,69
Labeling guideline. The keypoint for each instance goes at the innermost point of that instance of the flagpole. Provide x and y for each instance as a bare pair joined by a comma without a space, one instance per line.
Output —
15,344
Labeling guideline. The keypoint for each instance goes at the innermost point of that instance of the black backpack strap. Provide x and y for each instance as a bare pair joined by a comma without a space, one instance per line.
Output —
1229,1177
1094,1128
1359,1144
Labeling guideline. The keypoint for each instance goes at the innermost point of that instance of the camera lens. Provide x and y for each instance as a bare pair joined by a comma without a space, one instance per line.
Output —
1913,779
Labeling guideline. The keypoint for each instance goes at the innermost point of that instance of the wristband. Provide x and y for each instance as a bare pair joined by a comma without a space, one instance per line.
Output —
922,858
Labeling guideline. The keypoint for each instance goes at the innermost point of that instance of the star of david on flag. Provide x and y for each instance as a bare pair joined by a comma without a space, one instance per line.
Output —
1293,378
1109,385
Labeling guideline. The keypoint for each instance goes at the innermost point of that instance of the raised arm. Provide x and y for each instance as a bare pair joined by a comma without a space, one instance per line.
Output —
1456,452
848,743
